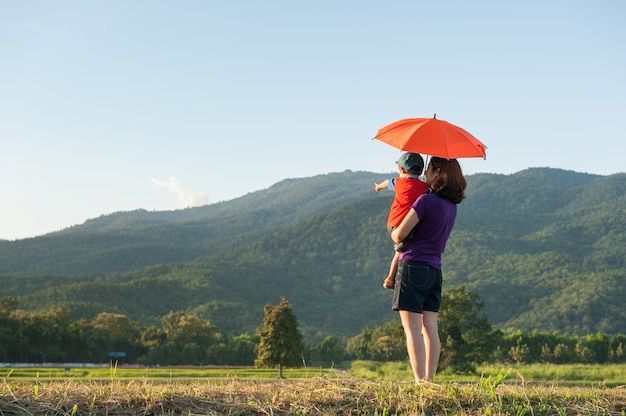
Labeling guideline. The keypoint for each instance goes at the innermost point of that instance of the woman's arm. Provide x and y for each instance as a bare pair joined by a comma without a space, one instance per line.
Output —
408,223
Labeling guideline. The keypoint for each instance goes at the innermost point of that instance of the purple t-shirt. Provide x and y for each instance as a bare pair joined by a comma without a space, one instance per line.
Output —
436,219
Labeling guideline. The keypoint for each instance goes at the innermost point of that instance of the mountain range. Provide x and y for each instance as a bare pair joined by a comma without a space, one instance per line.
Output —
544,249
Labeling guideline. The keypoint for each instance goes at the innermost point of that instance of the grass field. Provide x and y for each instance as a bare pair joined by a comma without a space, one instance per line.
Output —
148,373
244,391
610,375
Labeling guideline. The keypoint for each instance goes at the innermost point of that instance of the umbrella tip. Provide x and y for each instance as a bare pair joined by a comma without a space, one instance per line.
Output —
435,115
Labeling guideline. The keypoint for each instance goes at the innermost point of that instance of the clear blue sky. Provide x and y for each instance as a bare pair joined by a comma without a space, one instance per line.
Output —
115,105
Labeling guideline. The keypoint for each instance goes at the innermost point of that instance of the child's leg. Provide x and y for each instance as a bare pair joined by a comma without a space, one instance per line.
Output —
393,268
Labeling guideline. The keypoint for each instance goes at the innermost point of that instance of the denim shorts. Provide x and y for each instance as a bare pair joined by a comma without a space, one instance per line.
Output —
417,288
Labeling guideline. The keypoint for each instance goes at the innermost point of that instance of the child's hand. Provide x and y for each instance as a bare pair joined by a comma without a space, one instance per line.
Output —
383,185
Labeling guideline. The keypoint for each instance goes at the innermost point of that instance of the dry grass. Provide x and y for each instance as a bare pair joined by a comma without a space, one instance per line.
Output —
314,396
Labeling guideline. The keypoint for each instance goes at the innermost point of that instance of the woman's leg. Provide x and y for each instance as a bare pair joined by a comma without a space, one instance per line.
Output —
432,344
412,324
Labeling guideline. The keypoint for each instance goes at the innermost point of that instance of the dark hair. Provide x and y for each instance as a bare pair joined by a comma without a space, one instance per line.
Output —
450,183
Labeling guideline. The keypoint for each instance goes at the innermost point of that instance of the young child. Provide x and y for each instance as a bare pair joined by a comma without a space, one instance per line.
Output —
407,188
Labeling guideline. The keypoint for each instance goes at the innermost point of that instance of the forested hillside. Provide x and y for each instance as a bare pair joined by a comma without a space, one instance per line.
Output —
126,241
544,249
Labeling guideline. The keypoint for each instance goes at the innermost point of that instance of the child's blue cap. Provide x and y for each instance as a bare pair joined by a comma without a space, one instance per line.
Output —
412,163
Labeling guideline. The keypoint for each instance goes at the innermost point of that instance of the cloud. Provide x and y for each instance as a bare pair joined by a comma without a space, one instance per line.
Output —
185,198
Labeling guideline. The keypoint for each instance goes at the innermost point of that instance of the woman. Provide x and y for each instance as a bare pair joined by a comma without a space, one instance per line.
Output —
417,292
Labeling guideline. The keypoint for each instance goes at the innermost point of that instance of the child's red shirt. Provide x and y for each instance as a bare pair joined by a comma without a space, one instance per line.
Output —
407,190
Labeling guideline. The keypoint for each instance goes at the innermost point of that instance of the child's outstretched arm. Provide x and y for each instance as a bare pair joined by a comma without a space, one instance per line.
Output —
383,185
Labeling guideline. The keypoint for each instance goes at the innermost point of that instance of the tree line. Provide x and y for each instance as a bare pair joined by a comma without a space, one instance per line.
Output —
468,339
180,339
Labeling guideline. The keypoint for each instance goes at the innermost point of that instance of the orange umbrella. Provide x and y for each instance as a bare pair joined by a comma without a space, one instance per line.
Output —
432,137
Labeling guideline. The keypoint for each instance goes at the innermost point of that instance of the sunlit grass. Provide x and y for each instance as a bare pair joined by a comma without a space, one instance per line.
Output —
566,374
369,388
579,374
310,396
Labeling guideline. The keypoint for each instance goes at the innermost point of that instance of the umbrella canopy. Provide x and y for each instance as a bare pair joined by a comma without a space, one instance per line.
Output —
431,136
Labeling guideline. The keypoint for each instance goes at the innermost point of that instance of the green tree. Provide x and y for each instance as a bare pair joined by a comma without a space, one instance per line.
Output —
359,346
123,335
599,345
328,352
241,350
7,305
8,327
520,353
466,335
562,354
153,338
184,339
47,334
280,340
87,344
388,342
616,349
